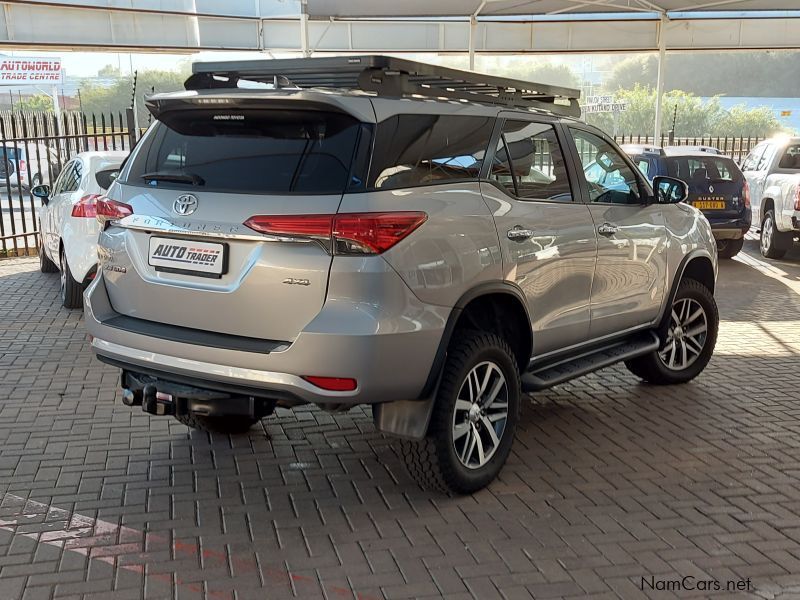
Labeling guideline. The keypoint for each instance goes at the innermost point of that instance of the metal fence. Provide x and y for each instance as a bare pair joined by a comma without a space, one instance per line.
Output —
735,147
34,148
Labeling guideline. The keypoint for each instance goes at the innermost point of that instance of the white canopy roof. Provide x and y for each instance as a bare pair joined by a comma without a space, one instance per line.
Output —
506,8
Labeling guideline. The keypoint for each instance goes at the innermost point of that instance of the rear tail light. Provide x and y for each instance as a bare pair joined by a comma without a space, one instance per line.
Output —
746,194
111,210
333,384
86,207
797,198
23,166
343,233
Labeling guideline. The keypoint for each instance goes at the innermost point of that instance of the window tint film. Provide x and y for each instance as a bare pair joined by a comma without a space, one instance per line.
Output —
250,151
608,178
414,150
702,168
791,158
533,155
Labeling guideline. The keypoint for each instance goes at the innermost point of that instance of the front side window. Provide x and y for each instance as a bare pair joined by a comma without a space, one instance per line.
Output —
751,162
414,150
65,175
529,162
249,151
607,176
72,181
766,158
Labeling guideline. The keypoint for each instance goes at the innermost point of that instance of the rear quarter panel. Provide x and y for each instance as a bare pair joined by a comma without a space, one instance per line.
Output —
453,251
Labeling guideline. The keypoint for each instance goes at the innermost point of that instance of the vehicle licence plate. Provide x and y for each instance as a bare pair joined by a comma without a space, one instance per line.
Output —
709,204
205,259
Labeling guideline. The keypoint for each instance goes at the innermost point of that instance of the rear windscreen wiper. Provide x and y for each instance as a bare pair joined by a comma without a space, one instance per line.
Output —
190,178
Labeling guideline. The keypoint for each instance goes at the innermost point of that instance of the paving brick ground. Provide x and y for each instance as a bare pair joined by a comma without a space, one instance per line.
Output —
611,481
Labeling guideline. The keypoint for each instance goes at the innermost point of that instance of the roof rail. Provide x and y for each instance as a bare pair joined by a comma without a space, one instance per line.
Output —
389,76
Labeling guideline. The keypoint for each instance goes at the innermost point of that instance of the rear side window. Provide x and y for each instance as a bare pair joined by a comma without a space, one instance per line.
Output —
702,168
251,151
529,163
414,150
790,158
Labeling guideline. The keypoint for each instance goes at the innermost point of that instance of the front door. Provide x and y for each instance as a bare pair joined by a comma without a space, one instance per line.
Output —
546,234
630,276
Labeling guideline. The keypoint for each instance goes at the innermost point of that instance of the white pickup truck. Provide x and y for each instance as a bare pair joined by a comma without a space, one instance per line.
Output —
772,170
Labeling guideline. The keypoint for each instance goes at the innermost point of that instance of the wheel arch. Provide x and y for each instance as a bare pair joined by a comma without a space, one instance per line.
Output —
410,418
696,265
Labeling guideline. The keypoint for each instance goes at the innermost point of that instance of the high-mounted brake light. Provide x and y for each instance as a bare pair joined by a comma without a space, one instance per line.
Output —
111,210
746,194
343,233
332,384
86,207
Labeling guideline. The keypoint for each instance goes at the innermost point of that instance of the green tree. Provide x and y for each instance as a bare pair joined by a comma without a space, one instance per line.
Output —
694,117
97,99
36,103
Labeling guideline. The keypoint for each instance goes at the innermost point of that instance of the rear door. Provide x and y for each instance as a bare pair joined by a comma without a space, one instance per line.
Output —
716,185
630,277
546,234
192,253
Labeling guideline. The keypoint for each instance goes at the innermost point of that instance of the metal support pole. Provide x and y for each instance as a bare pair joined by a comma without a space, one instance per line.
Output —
304,45
662,54
473,26
57,110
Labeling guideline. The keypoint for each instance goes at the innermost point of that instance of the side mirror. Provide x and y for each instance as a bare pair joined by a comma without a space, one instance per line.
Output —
106,177
670,190
42,192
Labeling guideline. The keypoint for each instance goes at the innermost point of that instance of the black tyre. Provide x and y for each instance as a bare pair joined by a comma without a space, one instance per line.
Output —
774,243
228,424
45,264
690,340
71,291
729,248
474,417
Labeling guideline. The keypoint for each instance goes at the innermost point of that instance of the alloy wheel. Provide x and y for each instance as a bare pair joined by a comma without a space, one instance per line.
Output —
687,334
63,276
767,231
481,414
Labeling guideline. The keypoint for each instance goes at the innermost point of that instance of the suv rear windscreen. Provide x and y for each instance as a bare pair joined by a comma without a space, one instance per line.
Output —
713,168
250,151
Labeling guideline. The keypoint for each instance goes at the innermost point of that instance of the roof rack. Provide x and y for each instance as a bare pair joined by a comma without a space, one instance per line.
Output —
388,76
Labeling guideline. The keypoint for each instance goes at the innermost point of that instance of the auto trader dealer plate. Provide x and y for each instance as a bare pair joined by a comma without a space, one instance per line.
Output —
206,259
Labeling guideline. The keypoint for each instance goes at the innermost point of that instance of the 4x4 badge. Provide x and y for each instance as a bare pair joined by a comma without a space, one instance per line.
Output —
185,204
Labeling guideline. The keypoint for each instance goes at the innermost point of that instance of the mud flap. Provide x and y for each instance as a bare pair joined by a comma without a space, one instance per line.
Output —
403,418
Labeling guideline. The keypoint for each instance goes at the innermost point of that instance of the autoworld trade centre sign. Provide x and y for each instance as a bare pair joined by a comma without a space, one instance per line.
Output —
30,71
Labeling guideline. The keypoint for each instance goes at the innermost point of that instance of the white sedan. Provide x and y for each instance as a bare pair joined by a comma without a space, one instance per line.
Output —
68,221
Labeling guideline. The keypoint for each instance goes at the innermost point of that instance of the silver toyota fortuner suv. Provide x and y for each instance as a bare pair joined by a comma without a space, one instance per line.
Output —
369,230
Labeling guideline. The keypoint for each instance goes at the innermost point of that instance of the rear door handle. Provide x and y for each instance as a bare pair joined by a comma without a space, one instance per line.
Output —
607,229
518,233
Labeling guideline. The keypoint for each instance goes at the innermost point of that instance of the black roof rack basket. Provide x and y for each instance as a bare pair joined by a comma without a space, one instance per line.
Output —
387,76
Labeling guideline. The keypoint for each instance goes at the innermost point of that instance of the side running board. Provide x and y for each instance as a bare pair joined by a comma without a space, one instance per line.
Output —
546,375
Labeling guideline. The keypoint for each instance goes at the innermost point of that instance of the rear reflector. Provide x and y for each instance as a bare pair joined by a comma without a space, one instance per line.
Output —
86,207
110,210
350,233
332,384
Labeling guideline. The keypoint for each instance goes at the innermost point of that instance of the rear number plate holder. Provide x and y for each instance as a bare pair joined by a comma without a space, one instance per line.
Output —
188,257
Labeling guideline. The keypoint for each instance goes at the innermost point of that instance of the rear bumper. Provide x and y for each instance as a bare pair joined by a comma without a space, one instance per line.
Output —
730,228
390,358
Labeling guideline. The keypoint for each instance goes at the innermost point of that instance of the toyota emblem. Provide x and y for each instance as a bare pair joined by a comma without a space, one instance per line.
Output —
185,204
